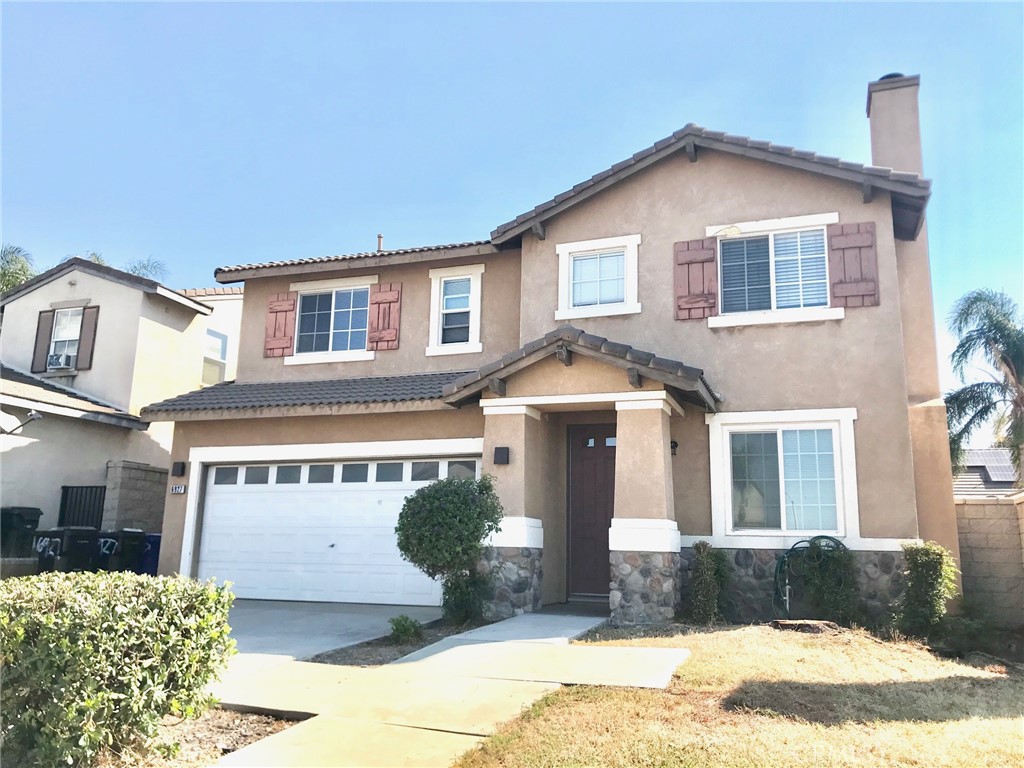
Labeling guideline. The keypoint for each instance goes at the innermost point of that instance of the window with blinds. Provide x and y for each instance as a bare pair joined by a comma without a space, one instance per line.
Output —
786,270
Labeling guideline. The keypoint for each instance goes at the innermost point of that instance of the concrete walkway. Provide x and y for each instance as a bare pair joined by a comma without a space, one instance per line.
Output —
432,706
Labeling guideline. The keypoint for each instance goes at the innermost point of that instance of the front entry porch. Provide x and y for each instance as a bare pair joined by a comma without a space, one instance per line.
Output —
581,451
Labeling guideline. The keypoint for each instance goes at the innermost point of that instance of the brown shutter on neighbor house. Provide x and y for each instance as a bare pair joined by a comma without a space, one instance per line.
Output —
853,265
280,340
87,338
385,316
44,334
696,278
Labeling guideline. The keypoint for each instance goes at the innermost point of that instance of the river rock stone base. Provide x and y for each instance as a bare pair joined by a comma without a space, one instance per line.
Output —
644,587
752,584
516,578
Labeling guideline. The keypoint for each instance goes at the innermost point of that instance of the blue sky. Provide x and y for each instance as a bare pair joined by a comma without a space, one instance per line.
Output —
205,135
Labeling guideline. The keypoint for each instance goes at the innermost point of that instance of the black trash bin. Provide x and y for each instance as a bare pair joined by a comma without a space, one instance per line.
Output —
151,555
68,548
107,546
17,525
130,551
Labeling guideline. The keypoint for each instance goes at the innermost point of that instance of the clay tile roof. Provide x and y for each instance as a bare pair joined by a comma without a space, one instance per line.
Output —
348,257
229,396
230,290
674,373
901,184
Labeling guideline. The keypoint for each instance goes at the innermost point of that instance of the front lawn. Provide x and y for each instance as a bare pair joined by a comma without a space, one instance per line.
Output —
756,696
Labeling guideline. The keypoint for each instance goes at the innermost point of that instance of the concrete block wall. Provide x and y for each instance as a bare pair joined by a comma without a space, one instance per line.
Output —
135,496
991,533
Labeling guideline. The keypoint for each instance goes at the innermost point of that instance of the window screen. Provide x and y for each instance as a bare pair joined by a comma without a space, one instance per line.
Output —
746,275
800,279
810,479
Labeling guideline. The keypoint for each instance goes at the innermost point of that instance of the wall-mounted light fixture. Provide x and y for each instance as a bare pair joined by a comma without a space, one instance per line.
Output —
673,445
501,455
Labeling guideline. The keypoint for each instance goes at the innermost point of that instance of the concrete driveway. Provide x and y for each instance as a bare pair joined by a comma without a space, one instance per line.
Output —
300,630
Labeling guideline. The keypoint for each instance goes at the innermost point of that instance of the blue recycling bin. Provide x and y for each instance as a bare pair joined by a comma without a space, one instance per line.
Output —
151,554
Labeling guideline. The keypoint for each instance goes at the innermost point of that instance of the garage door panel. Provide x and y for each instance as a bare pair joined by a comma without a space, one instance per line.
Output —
320,542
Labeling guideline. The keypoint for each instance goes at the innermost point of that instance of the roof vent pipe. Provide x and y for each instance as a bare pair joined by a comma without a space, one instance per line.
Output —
380,243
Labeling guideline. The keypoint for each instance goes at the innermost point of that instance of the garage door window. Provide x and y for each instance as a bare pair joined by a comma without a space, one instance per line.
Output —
425,471
288,475
462,470
321,473
225,476
390,472
257,475
355,473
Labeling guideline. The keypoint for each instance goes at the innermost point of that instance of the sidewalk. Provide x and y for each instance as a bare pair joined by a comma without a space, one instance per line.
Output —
431,706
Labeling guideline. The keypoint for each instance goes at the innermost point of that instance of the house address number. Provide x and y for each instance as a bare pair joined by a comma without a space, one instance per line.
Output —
177,489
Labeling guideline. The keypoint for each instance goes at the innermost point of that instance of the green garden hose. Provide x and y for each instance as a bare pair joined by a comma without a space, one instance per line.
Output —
785,565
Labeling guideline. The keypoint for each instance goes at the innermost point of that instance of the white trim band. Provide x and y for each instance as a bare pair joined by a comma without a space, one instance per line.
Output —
777,317
771,225
511,410
322,286
856,544
643,535
518,532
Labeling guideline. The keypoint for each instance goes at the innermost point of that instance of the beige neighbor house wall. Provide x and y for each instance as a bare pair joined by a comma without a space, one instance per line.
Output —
992,556
57,450
297,429
227,320
499,322
117,329
855,362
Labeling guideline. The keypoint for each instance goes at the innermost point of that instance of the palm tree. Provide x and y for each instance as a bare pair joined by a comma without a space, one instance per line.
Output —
15,267
989,324
151,268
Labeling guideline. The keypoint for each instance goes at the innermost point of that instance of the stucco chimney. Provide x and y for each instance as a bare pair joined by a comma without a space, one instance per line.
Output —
895,123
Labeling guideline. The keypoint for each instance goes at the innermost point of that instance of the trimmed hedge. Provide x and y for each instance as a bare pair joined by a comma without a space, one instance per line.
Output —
708,578
931,584
93,661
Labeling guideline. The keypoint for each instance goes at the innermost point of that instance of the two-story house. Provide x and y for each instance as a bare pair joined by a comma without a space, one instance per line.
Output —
86,346
717,338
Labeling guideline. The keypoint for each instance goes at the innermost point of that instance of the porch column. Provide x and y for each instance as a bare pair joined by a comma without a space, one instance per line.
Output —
644,539
513,555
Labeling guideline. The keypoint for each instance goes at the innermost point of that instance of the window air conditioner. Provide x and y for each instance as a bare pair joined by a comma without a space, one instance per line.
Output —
55,362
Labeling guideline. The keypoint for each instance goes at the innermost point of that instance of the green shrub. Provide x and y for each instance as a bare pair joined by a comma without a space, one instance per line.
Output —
405,629
93,661
707,582
830,579
441,530
930,583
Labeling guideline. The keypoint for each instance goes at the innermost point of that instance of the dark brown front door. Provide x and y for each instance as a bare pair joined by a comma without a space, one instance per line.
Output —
591,495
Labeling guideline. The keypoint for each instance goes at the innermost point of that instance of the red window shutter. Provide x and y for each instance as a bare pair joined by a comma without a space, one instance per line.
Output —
44,335
696,278
280,340
385,316
853,265
87,338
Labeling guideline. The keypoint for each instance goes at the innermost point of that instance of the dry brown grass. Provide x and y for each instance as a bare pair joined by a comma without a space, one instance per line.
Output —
754,696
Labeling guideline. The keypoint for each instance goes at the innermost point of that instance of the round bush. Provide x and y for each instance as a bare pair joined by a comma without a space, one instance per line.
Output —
441,530
93,661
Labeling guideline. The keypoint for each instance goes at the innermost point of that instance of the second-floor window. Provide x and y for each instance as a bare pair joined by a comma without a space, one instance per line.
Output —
67,328
334,321
783,270
598,277
455,308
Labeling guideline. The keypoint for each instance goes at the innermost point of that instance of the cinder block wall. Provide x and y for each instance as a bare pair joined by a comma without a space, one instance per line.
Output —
991,535
135,496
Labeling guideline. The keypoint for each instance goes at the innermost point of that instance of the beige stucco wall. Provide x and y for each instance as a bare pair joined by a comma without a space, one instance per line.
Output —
643,465
169,354
992,556
226,319
499,327
856,362
55,451
467,422
110,377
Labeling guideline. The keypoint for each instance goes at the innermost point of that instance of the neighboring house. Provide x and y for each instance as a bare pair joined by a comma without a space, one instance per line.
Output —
717,338
220,354
987,472
97,344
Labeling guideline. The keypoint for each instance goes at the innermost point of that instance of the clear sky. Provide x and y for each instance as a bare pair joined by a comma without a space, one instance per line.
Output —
213,134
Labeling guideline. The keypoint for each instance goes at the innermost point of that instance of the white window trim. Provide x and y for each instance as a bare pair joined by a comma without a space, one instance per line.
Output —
200,458
847,509
770,227
325,286
474,273
566,251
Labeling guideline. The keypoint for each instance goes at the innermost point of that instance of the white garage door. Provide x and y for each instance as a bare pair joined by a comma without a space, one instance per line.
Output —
317,531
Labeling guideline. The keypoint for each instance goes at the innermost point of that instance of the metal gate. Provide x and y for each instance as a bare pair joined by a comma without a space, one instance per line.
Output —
82,505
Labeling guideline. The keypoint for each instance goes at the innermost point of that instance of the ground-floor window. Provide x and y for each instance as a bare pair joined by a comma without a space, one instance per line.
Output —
783,472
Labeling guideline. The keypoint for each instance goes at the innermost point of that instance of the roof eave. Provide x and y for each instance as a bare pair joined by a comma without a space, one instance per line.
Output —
227,275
